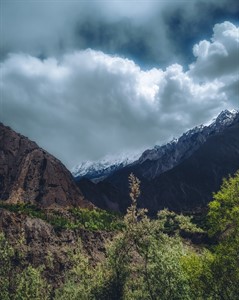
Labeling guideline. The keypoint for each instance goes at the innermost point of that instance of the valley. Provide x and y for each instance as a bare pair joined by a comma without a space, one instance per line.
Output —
72,238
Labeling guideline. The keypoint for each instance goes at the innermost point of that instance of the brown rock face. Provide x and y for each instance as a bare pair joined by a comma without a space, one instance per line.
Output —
30,174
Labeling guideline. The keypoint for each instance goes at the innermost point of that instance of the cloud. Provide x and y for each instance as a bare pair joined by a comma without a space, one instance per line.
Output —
150,32
87,104
218,57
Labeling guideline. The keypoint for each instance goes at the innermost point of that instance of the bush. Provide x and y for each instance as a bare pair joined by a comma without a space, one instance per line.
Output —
6,268
31,285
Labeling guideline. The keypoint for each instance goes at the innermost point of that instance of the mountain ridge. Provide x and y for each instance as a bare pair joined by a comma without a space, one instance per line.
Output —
114,189
99,170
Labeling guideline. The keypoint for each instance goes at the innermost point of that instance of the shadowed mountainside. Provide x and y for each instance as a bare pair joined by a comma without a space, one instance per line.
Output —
187,186
30,174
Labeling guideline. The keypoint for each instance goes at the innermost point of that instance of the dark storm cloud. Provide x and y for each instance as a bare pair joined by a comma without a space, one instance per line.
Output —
188,23
122,37
149,32
164,36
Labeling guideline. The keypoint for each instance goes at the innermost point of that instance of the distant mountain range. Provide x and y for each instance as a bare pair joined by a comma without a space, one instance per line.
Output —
163,158
99,170
181,175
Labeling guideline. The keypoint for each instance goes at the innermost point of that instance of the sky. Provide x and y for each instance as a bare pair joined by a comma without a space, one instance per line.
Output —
86,79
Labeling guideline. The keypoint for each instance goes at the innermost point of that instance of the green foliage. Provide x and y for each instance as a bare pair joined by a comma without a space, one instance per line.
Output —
223,218
146,260
31,285
78,280
92,220
97,219
170,222
224,209
199,273
6,256
84,281
25,208
15,284
225,269
143,261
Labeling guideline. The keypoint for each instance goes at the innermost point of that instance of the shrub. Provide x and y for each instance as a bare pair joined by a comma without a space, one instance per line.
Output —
31,285
6,256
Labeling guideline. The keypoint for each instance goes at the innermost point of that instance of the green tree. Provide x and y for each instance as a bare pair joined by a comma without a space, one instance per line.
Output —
149,260
223,219
224,209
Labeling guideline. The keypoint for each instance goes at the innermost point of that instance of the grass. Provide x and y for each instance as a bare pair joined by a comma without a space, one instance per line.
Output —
92,220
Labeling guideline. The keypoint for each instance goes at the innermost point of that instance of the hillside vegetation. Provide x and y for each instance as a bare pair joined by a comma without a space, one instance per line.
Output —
146,259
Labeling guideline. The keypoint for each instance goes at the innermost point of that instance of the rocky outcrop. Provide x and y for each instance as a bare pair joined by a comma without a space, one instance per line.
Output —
30,174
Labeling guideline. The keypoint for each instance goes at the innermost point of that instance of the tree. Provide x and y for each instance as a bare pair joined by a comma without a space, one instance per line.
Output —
224,209
223,219
150,260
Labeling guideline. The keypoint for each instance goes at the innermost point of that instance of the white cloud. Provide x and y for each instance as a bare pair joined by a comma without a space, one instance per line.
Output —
88,104
219,57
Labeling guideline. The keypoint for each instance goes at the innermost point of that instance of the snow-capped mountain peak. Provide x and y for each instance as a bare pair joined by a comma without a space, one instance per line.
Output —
162,157
178,149
224,118
98,170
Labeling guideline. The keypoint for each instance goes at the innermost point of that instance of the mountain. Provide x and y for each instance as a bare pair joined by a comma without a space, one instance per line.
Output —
98,170
30,174
181,175
190,185
155,161
163,158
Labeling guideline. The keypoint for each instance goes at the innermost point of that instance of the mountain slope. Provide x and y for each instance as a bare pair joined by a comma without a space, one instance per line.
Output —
163,158
206,155
160,159
30,174
190,185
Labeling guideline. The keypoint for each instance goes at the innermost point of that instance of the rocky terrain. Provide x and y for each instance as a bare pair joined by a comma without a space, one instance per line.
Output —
40,244
30,174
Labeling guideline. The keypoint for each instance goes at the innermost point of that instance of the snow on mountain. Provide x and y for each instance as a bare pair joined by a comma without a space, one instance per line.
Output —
192,138
98,170
163,157
181,175
225,118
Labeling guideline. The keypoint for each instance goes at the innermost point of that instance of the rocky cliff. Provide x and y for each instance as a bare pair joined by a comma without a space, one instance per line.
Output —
30,174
